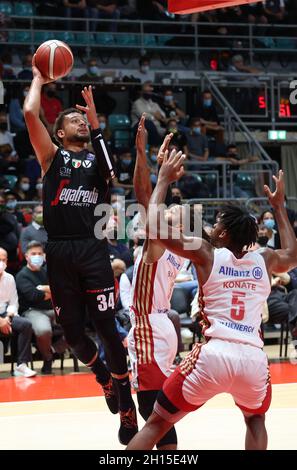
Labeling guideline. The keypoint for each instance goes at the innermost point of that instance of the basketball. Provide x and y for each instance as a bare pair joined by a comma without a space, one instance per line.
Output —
54,59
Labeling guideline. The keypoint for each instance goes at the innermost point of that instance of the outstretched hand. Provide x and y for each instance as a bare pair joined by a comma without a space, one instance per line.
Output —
89,109
276,198
172,168
37,74
141,136
163,148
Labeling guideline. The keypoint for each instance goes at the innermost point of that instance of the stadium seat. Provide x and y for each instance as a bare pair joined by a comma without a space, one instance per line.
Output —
6,8
22,36
163,38
127,40
84,38
65,36
121,138
119,122
149,40
11,179
285,43
41,36
23,9
244,181
105,39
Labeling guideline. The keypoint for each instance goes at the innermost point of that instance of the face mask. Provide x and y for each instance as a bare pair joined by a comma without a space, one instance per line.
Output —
3,266
38,218
11,204
145,68
147,96
25,186
102,126
173,130
176,200
93,70
25,93
262,241
233,155
207,103
197,130
154,158
39,186
168,98
126,162
269,223
37,260
50,93
3,126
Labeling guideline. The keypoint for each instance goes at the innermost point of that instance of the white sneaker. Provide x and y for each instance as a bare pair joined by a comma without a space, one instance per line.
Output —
187,335
24,371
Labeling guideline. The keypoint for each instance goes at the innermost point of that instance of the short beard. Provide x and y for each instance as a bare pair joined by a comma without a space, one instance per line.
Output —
79,138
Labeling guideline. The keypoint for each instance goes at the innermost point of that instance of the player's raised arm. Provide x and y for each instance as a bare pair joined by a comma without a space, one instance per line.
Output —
141,178
193,248
284,259
104,158
41,141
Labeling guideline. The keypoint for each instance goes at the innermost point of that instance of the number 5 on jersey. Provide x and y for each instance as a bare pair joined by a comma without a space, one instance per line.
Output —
238,306
105,301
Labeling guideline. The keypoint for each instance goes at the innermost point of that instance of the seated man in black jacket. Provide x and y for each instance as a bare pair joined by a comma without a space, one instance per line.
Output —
35,303
9,232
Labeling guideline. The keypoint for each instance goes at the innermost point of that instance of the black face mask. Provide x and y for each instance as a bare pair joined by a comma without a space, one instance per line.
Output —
262,240
176,200
146,96
232,155
3,126
50,93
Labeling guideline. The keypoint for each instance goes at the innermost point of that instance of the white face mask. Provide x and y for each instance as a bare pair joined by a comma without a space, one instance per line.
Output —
3,266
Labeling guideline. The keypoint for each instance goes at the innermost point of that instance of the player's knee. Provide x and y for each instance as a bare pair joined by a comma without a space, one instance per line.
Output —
251,420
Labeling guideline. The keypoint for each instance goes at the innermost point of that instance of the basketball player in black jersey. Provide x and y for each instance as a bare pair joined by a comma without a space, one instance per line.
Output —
75,181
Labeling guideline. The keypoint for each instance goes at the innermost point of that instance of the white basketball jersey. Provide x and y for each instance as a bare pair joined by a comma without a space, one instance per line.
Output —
153,284
232,298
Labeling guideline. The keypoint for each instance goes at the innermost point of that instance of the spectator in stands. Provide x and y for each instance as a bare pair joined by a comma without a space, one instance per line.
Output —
9,231
93,71
207,111
232,156
75,9
171,108
197,144
107,9
35,304
34,231
50,8
274,10
179,138
11,207
22,189
268,226
238,66
11,322
16,117
145,72
38,190
155,117
7,68
176,195
51,105
5,136
9,160
26,72
153,163
117,250
123,182
105,129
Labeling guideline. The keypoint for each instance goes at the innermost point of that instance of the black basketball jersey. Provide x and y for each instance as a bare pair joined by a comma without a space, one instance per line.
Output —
72,187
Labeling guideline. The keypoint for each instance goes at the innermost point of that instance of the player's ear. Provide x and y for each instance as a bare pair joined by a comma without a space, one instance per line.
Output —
223,234
60,134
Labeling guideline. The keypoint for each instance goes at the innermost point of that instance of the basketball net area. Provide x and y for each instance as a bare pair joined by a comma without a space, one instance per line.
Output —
194,6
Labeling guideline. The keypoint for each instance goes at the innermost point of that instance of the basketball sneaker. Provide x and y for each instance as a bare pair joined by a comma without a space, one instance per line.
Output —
22,370
128,427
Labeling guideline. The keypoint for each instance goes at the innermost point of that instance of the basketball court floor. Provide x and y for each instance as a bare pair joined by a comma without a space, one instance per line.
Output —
68,412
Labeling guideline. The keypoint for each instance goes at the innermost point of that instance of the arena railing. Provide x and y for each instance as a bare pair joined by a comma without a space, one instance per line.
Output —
199,38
